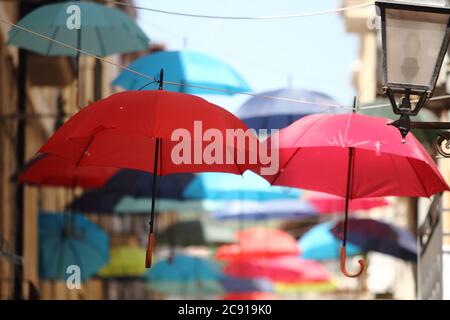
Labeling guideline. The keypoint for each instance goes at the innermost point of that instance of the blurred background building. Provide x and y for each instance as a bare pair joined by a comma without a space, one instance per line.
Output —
429,219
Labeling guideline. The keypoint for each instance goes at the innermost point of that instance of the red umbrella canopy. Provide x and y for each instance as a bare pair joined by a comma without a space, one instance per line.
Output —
259,242
315,151
50,170
286,269
328,203
353,156
156,131
123,130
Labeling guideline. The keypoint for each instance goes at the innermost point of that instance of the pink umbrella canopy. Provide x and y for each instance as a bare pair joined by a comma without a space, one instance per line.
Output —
259,242
328,203
353,156
315,152
286,269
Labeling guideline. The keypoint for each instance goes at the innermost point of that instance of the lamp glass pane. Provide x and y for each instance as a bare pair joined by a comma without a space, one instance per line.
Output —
413,44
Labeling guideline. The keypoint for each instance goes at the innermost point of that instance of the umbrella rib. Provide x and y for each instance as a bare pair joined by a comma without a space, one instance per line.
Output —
296,150
47,52
77,256
60,259
285,165
390,155
417,176
100,40
85,149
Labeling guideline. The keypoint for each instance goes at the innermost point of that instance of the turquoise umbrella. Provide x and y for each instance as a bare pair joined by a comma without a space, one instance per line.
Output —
225,187
320,244
185,275
103,30
64,243
131,205
185,67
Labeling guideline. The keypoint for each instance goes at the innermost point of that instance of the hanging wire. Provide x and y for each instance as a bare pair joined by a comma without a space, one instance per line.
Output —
123,67
276,17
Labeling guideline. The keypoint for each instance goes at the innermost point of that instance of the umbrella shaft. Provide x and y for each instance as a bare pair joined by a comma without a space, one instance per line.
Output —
347,194
155,175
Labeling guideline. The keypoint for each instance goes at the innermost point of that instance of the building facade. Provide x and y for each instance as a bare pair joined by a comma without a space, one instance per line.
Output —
50,87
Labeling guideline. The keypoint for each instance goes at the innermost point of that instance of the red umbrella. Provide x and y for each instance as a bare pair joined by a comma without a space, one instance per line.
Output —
249,296
328,203
259,242
286,269
354,156
51,170
156,131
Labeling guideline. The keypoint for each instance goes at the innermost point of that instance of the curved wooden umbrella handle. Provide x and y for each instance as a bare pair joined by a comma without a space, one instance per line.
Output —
362,264
150,243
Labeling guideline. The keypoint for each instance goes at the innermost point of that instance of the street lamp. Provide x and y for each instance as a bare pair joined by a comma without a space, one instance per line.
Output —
415,36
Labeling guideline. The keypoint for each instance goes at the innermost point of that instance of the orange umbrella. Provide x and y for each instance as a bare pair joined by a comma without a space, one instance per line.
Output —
259,242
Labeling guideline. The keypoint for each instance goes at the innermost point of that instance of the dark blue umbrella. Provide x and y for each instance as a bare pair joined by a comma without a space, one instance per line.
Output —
70,241
374,235
131,183
259,113
233,284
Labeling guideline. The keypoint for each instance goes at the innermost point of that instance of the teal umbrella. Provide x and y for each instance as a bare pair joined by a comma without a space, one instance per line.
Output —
185,275
131,205
63,243
185,67
103,30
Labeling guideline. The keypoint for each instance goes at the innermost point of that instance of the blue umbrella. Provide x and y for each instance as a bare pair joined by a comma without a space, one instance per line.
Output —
63,243
225,187
233,284
270,209
184,274
259,113
103,30
374,235
184,67
318,243
131,184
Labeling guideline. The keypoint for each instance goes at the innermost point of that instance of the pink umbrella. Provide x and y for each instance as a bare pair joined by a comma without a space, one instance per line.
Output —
286,269
328,203
353,156
259,242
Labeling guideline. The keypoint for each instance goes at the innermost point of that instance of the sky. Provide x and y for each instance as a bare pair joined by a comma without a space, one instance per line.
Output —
315,52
